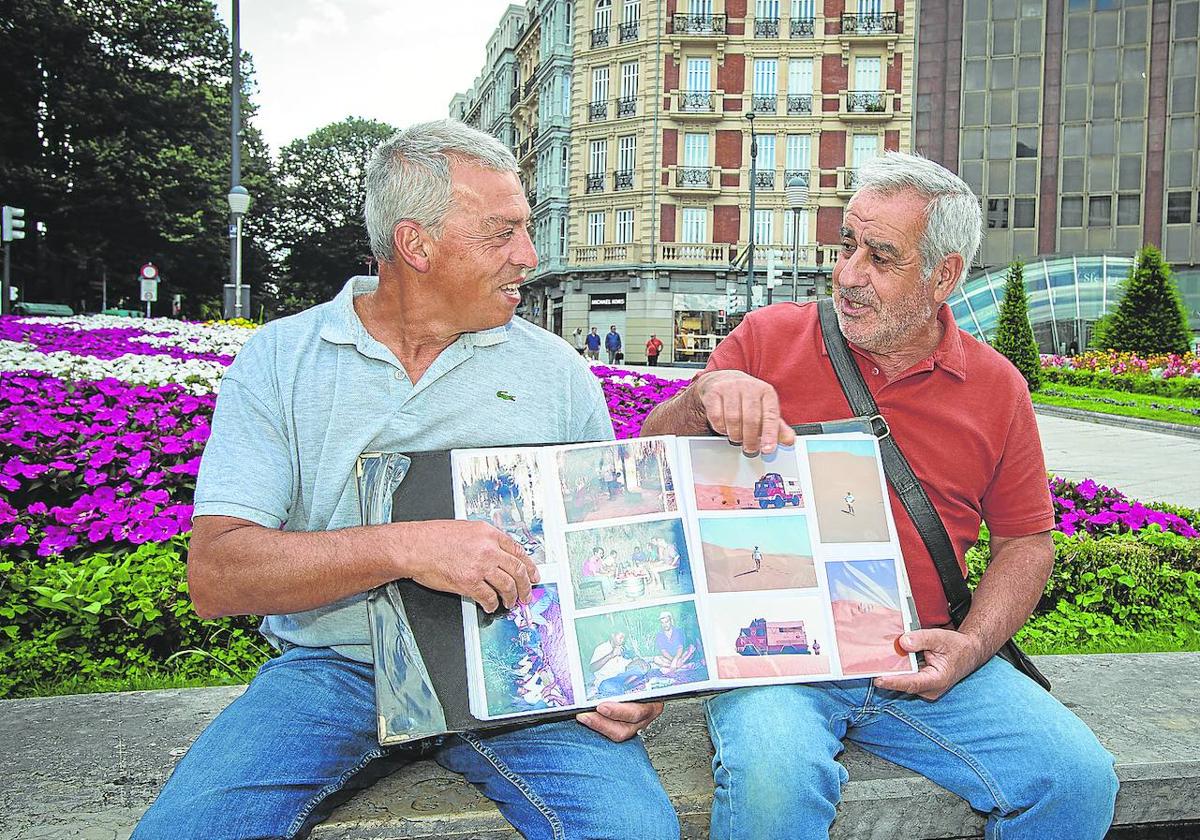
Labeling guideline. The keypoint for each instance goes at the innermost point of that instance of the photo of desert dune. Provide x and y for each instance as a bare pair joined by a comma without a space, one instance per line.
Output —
865,597
755,553
727,479
784,636
849,497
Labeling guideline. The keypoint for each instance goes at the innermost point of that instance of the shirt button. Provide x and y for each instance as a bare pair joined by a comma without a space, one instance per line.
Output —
875,371
400,374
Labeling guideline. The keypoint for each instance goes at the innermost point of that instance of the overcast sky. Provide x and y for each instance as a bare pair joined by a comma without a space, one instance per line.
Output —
400,61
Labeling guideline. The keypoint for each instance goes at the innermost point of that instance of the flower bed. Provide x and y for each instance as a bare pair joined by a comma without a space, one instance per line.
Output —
101,428
1164,375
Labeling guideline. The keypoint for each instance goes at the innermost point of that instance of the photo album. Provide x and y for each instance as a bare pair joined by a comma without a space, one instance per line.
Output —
681,565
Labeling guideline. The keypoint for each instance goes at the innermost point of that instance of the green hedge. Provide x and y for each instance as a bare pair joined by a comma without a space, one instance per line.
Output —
1112,588
105,616
1176,386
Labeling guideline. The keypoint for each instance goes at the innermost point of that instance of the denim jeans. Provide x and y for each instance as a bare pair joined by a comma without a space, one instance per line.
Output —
996,739
302,739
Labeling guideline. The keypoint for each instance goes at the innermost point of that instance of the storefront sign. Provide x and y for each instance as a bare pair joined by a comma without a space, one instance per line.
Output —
607,301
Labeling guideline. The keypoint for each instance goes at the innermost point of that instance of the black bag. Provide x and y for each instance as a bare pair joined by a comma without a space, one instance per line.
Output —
912,495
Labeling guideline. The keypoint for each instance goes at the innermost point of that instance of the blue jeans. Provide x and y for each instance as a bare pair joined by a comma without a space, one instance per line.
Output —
996,739
302,739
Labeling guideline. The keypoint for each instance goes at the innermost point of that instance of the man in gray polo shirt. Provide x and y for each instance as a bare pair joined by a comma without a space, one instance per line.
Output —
427,356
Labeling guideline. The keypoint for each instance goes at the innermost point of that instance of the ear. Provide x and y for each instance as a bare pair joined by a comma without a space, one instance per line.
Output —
412,244
946,277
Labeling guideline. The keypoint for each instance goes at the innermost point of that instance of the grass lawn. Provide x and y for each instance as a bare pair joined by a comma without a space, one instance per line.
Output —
136,682
1145,643
1144,406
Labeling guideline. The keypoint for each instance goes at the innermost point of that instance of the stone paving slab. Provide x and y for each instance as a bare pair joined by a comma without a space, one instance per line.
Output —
87,766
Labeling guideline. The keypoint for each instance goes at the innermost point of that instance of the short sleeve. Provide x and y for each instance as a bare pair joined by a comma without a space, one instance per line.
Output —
733,353
247,467
590,420
1017,501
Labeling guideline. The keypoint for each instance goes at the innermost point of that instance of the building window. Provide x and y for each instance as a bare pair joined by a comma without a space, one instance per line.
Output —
603,16
695,224
997,213
1024,212
764,227
766,72
1129,210
695,151
1071,215
596,228
1179,208
1100,211
624,230
789,227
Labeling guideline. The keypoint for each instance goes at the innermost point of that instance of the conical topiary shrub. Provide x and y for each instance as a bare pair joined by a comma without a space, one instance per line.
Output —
1014,336
1150,317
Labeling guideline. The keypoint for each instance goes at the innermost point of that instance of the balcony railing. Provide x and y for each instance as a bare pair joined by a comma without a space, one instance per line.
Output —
698,24
848,180
802,27
514,97
622,253
802,174
627,106
595,183
600,37
526,144
529,85
531,197
622,180
866,101
627,31
694,252
765,103
877,24
696,101
799,103
693,176
597,111
764,179
766,28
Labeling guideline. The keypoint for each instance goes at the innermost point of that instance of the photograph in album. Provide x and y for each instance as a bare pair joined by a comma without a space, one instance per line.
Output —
616,480
848,490
524,652
612,565
753,553
725,478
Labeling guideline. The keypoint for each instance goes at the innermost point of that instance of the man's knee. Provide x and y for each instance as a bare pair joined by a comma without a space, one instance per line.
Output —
1081,777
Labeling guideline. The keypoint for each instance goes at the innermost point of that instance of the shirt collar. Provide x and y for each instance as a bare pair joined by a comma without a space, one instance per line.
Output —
949,353
343,326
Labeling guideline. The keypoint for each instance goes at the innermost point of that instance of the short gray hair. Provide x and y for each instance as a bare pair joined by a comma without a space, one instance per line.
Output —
408,176
953,218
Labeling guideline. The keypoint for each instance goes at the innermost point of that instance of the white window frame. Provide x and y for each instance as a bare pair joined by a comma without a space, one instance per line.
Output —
599,84
766,152
695,150
624,226
766,76
764,227
693,225
800,76
629,79
694,75
598,156
627,153
595,227
602,17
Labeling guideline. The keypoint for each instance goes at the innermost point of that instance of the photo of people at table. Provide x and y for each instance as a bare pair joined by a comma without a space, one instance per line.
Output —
640,649
621,564
616,480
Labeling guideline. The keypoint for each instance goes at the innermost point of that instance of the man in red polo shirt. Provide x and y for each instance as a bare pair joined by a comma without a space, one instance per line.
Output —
961,414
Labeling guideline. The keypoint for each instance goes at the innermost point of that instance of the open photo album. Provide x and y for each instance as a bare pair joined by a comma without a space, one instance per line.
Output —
668,566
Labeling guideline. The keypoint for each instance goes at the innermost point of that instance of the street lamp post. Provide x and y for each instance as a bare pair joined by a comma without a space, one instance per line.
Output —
796,192
239,203
750,249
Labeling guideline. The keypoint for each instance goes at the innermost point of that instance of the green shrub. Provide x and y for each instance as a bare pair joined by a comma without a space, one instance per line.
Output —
1150,317
106,616
1014,335
1176,386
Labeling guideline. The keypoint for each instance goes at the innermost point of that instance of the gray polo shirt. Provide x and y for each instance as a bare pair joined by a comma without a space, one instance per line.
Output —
308,394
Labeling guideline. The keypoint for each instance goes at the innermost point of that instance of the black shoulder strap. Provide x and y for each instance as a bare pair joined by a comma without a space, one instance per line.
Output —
895,466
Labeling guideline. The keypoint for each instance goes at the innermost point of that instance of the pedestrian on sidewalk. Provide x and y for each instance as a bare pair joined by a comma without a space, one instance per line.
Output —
612,343
653,348
578,340
593,345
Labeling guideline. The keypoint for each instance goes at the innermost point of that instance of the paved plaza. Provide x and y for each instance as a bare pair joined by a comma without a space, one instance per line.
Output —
1143,465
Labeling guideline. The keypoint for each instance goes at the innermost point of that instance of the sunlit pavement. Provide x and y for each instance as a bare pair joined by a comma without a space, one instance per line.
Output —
1143,465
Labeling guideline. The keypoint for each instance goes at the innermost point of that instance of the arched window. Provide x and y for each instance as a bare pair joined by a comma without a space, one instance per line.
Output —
603,15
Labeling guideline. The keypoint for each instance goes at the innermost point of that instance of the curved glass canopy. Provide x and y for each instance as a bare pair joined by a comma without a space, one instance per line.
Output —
1066,295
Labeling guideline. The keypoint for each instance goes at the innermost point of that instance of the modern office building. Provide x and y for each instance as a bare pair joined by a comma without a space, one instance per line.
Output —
1076,122
658,175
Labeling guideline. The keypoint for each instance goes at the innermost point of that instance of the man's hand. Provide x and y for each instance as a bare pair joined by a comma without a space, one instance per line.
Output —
620,721
744,409
949,657
469,558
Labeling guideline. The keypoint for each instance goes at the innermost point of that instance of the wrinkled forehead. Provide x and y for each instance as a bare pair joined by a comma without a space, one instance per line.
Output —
897,216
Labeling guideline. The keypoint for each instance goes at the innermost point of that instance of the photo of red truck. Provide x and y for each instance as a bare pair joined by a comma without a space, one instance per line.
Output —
766,638
773,490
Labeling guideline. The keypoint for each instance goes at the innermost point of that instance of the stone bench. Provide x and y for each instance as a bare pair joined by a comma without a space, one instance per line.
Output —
87,766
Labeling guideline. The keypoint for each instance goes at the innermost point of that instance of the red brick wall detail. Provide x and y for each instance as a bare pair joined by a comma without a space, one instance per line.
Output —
731,105
731,76
832,152
731,179
829,225
893,77
835,76
829,180
670,146
735,8
833,16
729,149
891,141
666,225
727,223
670,73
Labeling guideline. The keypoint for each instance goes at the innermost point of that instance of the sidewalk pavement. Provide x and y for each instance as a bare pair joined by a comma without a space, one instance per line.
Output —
1147,466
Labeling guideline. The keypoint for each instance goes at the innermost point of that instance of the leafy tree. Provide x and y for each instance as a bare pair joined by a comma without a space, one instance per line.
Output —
319,219
115,135
1014,336
1150,317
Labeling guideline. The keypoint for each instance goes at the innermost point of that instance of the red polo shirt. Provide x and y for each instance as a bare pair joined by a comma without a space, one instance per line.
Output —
962,417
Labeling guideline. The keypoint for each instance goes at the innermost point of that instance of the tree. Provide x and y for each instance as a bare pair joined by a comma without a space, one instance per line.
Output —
1150,317
116,136
319,221
1014,336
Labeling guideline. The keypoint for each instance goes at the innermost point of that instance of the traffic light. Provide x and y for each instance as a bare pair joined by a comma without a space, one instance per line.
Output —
773,278
14,223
